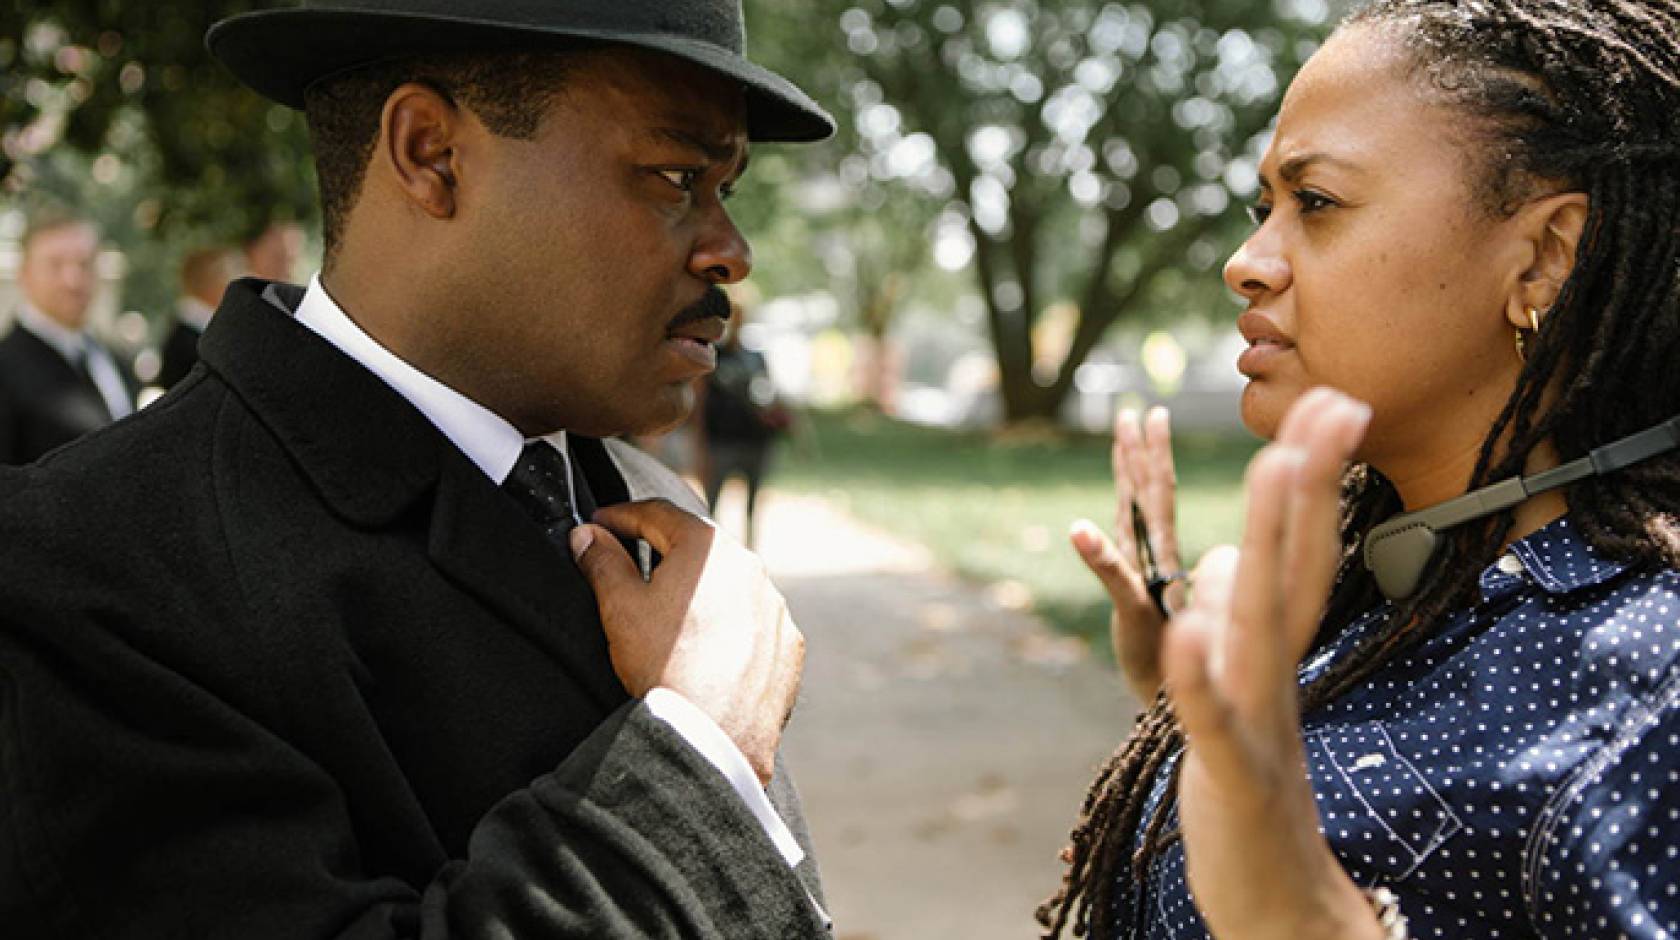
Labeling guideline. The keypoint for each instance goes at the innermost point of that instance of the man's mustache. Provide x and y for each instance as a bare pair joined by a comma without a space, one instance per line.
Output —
714,303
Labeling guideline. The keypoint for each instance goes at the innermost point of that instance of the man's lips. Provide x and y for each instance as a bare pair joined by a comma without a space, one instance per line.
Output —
693,334
696,341
704,330
1265,343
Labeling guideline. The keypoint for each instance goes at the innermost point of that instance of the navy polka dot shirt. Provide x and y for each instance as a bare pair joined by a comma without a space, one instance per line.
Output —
1518,775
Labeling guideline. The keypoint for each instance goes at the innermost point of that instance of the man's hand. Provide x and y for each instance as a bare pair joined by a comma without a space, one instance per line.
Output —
709,625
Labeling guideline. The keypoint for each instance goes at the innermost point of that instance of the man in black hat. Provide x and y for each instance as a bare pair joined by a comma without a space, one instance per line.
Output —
321,644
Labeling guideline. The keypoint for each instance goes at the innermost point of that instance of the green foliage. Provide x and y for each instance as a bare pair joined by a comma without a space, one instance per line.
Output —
134,80
1082,151
1060,151
118,109
997,508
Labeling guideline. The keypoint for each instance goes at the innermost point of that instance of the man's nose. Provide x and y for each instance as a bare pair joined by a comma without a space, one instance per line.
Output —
721,255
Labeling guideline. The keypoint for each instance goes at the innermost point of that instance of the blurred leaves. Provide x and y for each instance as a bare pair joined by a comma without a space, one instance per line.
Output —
1066,151
133,80
1077,162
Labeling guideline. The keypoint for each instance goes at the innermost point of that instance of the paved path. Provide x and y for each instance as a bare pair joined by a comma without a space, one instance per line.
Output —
943,742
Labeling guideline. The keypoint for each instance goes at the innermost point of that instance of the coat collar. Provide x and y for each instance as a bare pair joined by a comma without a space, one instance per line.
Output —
367,451
372,456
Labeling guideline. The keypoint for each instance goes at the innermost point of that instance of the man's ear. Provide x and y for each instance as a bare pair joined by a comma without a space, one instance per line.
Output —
418,137
1551,229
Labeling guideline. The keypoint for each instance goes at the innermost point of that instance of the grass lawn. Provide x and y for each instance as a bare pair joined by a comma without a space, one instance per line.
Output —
997,510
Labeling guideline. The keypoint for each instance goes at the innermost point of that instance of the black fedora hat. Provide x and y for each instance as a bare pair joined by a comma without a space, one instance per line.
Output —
280,53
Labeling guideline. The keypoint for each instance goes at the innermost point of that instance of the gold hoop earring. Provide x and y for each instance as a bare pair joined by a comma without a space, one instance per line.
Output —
1521,339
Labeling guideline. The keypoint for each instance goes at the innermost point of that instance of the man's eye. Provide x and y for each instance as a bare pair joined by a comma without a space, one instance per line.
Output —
681,179
1259,213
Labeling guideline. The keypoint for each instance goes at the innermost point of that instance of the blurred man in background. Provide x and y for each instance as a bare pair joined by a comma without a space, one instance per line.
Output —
272,254
205,273
742,417
56,381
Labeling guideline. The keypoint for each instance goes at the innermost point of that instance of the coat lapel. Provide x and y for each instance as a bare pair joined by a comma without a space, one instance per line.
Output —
481,541
373,458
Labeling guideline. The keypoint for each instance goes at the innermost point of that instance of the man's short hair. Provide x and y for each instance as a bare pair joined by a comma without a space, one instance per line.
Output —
260,225
42,221
205,269
509,91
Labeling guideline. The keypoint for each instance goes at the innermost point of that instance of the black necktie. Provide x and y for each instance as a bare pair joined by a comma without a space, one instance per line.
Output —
539,485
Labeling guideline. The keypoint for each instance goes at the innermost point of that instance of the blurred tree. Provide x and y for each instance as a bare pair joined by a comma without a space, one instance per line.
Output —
865,240
1082,150
134,80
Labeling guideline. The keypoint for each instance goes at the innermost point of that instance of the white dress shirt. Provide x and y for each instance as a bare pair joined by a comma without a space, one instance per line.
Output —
493,444
76,346
194,313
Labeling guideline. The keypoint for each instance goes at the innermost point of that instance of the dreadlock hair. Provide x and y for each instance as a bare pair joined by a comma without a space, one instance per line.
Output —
1582,95
509,91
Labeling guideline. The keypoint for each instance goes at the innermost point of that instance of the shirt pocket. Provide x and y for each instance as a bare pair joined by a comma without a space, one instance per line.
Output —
1379,813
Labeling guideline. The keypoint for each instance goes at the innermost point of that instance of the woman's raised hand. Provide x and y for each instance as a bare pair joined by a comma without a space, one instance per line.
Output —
1146,491
1259,868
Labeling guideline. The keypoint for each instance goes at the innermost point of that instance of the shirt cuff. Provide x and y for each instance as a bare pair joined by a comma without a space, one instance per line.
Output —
703,734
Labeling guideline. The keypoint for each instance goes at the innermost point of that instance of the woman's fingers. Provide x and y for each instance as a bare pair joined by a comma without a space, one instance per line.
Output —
1136,626
1122,454
1105,559
1300,414
1198,699
1162,507
1160,492
1215,580
1250,827
1328,433
1254,642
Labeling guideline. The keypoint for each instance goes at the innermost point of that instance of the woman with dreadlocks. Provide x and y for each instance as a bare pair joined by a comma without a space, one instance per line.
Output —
1469,220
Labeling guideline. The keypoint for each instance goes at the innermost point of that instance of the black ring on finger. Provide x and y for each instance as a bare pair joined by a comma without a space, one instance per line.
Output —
1157,585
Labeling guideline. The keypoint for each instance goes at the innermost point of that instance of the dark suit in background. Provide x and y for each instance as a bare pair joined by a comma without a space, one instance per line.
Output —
338,685
45,401
180,354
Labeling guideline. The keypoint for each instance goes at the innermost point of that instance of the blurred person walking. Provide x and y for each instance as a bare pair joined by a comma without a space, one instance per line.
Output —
741,419
57,382
205,274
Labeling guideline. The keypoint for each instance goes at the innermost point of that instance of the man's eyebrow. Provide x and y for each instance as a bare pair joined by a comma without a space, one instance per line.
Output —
1292,169
714,151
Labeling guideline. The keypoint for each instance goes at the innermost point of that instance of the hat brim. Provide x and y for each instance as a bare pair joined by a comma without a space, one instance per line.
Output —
280,53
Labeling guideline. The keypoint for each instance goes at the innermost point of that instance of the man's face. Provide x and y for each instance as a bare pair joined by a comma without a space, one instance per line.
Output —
58,276
586,246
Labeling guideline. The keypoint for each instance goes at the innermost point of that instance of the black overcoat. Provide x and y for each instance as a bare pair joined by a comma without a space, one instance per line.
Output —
277,660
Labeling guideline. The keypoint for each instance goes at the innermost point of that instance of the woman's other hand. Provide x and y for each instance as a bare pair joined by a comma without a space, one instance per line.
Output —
1258,866
1145,483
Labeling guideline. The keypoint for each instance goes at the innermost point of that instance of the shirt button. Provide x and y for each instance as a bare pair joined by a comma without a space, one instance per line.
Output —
1510,564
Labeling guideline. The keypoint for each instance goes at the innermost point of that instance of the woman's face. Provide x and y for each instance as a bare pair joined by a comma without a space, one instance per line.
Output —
1375,268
